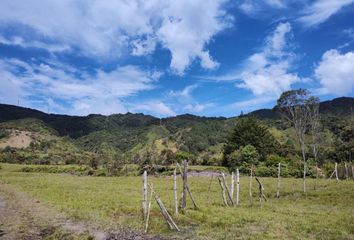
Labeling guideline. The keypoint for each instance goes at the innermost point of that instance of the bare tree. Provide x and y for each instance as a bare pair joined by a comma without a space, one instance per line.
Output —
314,124
294,105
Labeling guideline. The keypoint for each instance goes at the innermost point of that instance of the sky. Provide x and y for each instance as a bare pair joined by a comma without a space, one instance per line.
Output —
171,57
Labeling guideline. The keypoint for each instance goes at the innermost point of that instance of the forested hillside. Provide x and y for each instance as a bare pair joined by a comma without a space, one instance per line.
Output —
139,138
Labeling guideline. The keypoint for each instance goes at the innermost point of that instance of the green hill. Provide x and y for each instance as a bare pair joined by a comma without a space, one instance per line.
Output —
134,138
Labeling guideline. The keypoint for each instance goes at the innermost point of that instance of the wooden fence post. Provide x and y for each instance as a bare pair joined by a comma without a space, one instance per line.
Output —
278,184
184,197
211,180
227,188
187,188
237,186
251,200
223,191
148,210
144,195
175,191
336,169
346,170
261,191
165,214
232,184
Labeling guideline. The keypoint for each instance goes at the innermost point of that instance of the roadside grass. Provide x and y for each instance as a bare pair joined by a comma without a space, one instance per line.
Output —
115,202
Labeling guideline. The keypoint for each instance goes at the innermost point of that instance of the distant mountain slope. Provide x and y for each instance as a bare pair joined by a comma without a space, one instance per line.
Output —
135,137
342,106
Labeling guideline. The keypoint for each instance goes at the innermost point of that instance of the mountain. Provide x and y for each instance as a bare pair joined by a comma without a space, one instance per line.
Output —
132,137
342,106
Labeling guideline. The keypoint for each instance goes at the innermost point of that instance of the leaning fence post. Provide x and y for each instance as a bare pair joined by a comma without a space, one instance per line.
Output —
222,191
227,188
261,191
175,191
278,184
165,214
145,194
237,186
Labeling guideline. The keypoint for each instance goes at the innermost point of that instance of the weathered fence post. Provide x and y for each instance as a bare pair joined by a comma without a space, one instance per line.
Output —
251,200
165,214
145,194
223,191
211,180
261,191
185,186
237,186
346,170
184,198
175,191
353,171
336,169
232,184
227,188
148,209
278,184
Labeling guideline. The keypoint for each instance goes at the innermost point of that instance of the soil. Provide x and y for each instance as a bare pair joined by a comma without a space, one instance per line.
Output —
22,217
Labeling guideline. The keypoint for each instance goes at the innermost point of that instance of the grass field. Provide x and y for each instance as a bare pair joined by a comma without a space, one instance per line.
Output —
115,202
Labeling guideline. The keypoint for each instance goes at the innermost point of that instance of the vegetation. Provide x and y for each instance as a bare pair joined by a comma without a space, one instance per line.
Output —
324,213
110,142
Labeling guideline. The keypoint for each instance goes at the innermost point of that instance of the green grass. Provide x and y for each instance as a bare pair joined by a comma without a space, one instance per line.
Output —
114,202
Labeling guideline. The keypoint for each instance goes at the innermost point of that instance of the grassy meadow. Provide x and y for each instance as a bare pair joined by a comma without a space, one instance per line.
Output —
326,212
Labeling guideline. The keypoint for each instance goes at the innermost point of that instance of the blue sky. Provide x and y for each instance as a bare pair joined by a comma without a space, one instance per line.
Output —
169,57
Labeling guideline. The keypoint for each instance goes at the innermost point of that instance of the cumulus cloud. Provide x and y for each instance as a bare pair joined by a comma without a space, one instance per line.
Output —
81,92
154,107
197,107
253,7
185,93
321,10
112,28
267,73
335,72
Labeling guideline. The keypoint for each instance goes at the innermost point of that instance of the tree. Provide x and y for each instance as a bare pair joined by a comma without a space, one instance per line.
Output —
249,131
295,108
314,124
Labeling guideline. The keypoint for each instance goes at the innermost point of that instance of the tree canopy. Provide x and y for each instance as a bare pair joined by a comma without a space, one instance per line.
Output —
250,131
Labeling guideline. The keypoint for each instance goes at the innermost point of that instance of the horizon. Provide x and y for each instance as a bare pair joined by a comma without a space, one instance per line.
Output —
157,117
214,58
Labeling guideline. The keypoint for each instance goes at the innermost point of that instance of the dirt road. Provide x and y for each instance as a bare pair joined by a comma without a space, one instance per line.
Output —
22,217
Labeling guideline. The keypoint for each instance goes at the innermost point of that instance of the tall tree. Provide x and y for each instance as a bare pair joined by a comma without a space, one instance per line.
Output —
249,131
314,124
294,106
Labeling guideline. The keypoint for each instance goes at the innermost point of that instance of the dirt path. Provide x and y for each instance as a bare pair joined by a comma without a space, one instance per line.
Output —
22,217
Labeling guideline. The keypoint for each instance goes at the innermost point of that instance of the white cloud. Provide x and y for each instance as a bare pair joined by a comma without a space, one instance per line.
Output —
321,10
336,72
19,41
197,107
251,104
154,107
267,73
253,7
185,93
78,90
109,29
